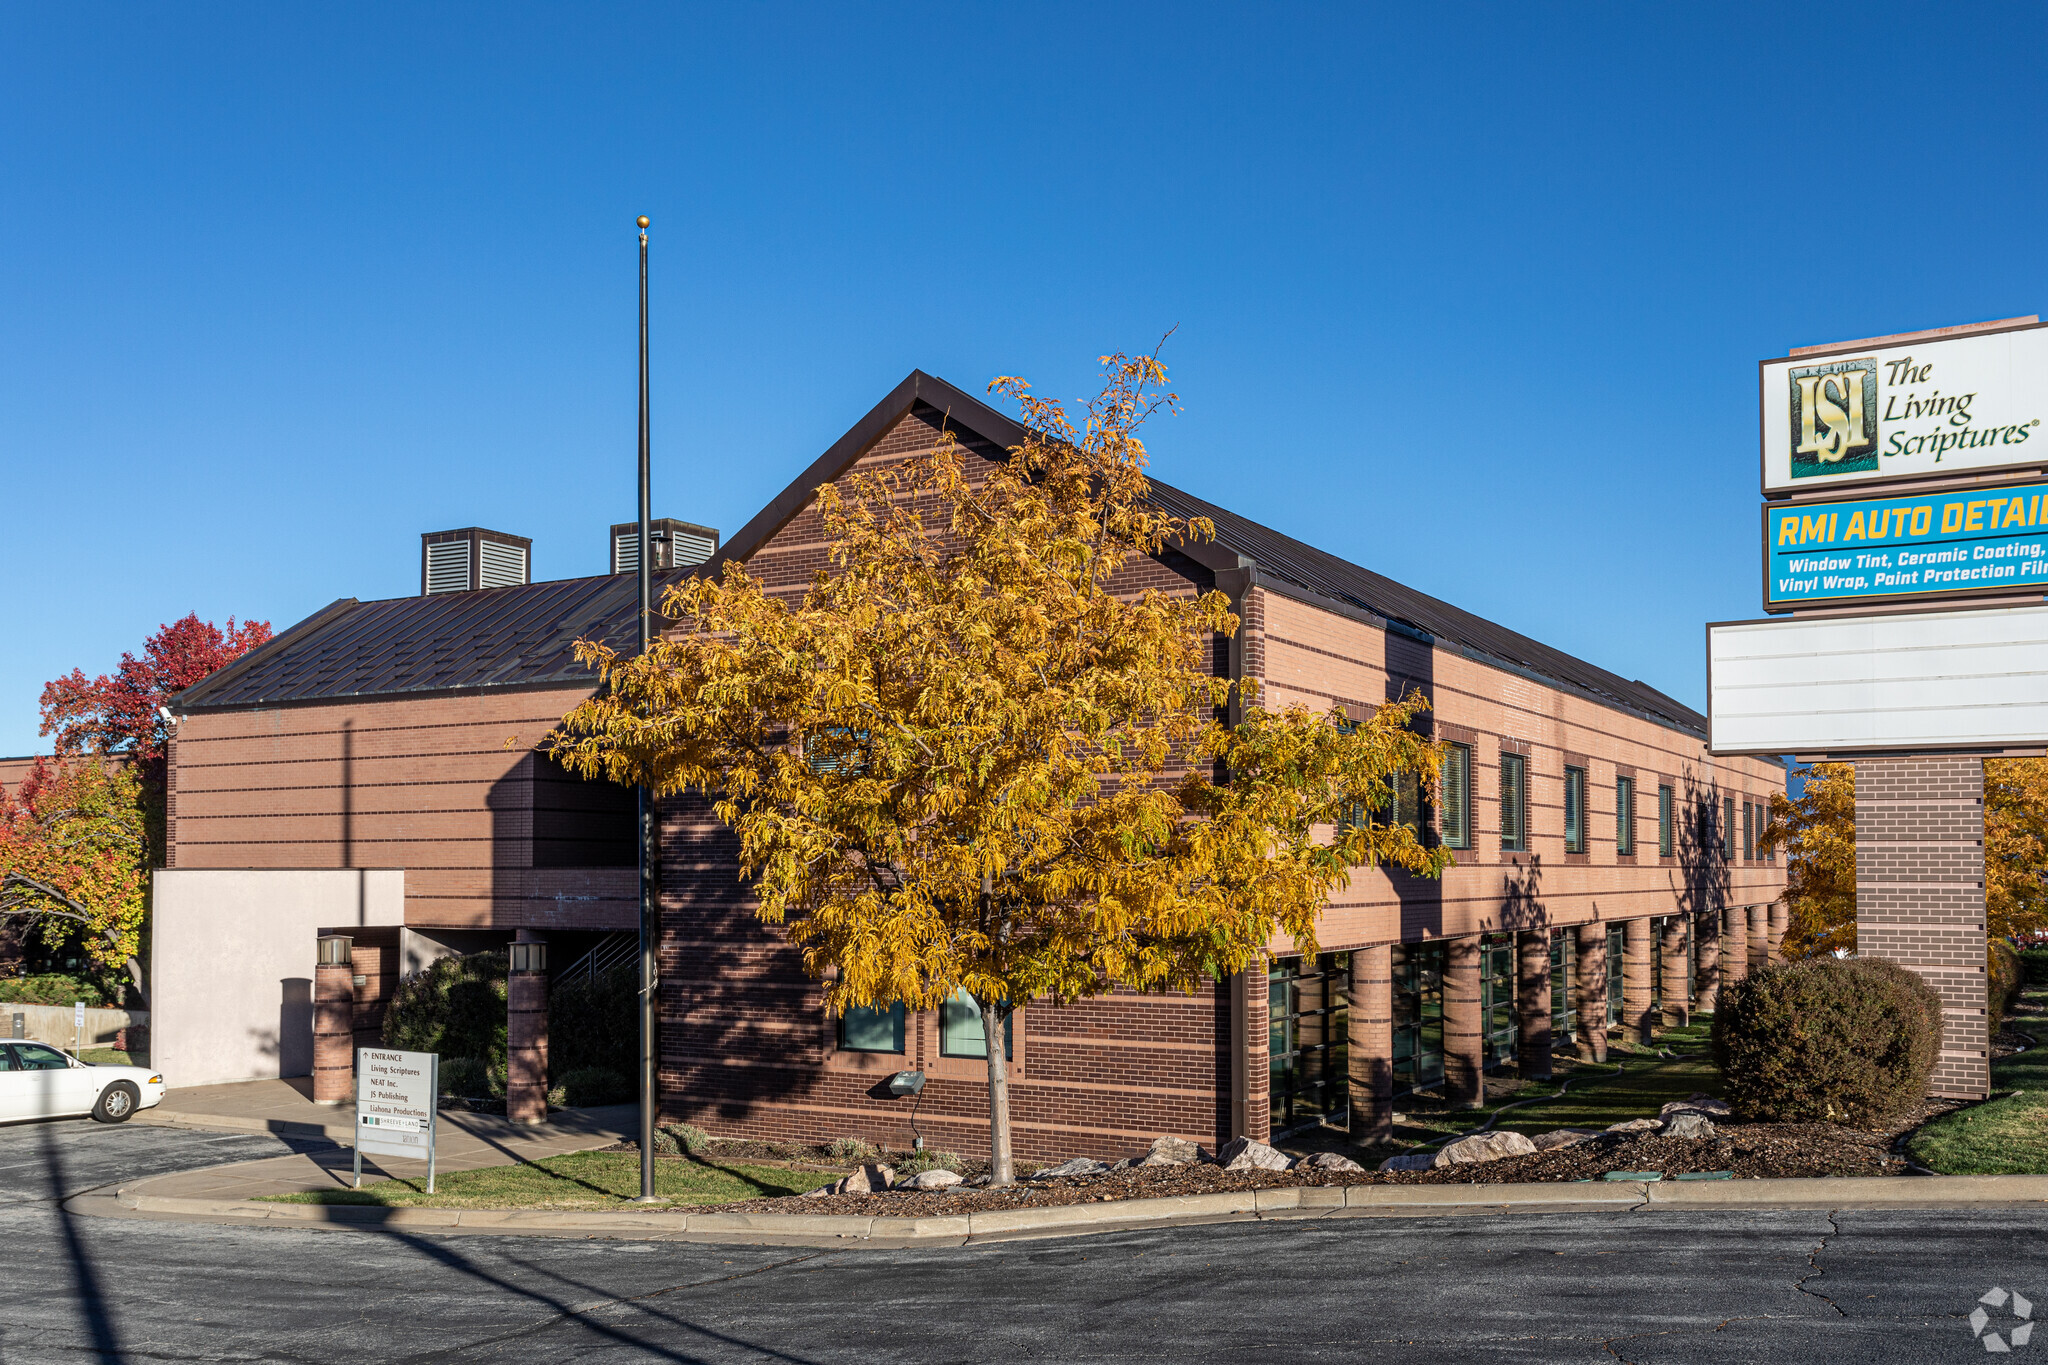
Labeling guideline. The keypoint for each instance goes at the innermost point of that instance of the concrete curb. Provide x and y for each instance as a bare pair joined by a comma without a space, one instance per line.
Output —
1073,1220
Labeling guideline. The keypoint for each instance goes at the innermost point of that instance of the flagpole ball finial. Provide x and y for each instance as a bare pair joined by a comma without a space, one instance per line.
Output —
643,220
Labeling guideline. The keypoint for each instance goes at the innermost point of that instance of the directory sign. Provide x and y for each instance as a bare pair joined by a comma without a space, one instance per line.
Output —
1938,406
1975,543
395,1102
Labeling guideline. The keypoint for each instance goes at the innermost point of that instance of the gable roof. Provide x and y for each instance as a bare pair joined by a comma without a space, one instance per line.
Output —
1276,561
525,635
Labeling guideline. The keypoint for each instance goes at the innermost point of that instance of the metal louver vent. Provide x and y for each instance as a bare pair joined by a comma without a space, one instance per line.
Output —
690,548
448,567
626,553
501,565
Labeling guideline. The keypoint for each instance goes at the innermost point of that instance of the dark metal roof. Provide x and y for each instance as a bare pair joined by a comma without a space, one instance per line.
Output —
496,637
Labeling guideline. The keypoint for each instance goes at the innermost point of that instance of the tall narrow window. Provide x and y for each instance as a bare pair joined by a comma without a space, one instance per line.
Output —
1664,815
1727,829
1514,803
1456,816
1575,810
1624,816
1748,832
1407,804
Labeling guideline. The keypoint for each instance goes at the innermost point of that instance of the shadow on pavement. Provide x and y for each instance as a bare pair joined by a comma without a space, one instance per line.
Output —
92,1300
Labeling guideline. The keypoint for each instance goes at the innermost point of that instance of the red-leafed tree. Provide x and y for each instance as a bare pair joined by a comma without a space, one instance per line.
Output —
116,713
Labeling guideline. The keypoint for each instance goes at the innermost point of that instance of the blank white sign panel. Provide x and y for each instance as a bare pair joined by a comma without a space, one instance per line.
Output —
1926,680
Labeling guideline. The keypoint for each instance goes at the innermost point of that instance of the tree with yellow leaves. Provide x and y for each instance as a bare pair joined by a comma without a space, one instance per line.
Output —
74,847
969,760
1818,834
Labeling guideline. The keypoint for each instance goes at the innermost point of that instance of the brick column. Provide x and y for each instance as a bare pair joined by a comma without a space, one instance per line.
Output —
1674,972
1920,895
526,1043
1371,1045
1777,919
1251,1056
1590,971
1708,927
1532,1003
1638,962
334,1033
1759,937
1464,1082
1734,944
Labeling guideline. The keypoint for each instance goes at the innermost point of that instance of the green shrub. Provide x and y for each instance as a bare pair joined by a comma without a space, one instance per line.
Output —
455,1007
590,1085
53,989
1827,1040
681,1137
2004,974
467,1078
594,1021
2034,961
850,1149
926,1159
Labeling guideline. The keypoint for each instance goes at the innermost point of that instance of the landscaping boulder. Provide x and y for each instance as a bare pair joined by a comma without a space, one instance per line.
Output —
1688,1123
1636,1126
935,1179
1563,1137
1080,1165
1484,1147
1699,1104
868,1179
1242,1154
1327,1161
1173,1151
1411,1161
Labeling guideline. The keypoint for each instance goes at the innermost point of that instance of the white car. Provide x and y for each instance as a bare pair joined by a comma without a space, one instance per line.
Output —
38,1081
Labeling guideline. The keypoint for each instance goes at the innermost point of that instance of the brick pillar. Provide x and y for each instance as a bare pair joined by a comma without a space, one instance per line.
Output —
1675,973
1589,970
334,1033
1371,1045
1759,937
1708,927
1920,895
526,1043
1464,1056
1251,1057
1638,962
1777,919
1734,945
1532,1003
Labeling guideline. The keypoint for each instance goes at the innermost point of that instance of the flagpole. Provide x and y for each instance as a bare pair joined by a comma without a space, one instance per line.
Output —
646,798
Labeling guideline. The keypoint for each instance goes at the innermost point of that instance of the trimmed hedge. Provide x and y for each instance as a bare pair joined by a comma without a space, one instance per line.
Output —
1827,1040
2034,961
456,1007
53,989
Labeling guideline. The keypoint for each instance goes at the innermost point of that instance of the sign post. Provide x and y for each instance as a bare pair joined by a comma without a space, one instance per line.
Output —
78,1026
395,1108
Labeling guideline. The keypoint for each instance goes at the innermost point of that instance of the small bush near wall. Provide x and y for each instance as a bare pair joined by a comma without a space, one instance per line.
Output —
455,1007
593,1023
1827,1040
2034,961
50,990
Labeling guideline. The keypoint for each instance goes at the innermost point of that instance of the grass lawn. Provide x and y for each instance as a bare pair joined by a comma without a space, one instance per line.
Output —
2006,1136
579,1180
1597,1097
106,1056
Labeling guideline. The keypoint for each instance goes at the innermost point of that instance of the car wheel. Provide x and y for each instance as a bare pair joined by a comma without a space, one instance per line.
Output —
117,1103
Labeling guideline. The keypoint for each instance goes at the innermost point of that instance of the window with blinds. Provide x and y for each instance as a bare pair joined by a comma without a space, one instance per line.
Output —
1624,815
448,567
1575,810
1455,819
1727,829
1514,803
1665,815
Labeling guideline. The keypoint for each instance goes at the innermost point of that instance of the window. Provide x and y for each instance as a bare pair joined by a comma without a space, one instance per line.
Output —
1418,1015
837,749
36,1057
961,1033
1407,804
1664,814
1564,1011
1748,832
1727,829
1497,997
1575,810
1455,819
1616,958
1308,1011
872,1028
1624,816
1514,803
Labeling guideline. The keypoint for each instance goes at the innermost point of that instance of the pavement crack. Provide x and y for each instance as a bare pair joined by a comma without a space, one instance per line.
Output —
1813,1260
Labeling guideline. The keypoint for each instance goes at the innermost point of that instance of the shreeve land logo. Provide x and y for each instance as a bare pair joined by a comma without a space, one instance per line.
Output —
1834,418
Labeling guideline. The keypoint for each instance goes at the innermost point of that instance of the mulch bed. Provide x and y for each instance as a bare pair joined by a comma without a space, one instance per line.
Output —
1748,1150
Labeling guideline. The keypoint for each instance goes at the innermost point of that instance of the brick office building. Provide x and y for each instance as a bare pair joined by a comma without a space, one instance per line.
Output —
1606,867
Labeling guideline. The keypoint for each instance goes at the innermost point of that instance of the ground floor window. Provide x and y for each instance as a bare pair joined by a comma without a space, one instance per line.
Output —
868,1028
1418,1015
1307,1003
961,1032
1497,997
1616,955
1564,1013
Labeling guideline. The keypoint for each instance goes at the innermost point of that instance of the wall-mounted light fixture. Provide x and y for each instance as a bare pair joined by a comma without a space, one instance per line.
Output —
910,1083
336,950
529,957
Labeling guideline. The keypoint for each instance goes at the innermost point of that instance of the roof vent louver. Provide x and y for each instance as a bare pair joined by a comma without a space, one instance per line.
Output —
677,544
473,558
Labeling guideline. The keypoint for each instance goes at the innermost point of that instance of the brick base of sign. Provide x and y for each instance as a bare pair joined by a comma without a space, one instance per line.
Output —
1920,896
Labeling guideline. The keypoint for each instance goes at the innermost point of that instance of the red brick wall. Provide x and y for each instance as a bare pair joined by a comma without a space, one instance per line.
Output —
442,787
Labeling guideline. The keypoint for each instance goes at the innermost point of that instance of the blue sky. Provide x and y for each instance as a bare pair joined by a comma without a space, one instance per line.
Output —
1470,295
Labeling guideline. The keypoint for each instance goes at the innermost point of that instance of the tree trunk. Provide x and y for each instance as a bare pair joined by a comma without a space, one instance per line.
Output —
993,1018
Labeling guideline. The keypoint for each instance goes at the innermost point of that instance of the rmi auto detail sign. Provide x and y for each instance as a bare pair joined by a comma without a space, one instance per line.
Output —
1977,542
1938,406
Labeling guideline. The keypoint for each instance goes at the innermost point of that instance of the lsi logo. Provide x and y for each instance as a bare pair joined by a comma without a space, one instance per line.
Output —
1834,418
